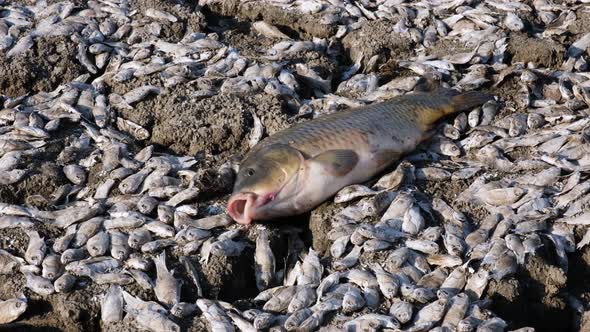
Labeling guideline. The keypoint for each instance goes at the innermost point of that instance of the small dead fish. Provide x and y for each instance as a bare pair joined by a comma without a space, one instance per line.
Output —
388,283
228,247
425,246
312,269
9,263
12,176
353,300
52,267
304,297
65,283
39,285
140,93
12,309
297,318
269,30
133,129
167,288
22,45
513,22
87,230
119,245
62,243
352,192
264,260
215,315
183,309
401,310
207,223
160,15
98,244
280,299
348,261
155,321
36,248
157,245
111,305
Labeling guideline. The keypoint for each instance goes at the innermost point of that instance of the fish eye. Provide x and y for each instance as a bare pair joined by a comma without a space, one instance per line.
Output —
250,171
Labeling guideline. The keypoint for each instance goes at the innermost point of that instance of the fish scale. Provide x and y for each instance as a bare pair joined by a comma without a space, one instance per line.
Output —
406,115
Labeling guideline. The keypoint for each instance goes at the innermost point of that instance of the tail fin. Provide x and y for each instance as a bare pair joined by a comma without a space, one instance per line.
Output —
469,99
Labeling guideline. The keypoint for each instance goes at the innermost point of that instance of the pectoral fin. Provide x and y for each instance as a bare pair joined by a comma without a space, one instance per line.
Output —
337,162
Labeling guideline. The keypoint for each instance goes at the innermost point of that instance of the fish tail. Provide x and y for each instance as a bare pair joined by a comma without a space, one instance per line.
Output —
449,101
467,100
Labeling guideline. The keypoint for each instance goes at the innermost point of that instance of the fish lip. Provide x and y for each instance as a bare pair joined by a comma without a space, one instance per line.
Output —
253,201
244,217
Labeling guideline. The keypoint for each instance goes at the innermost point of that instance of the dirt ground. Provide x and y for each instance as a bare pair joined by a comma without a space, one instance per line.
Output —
217,128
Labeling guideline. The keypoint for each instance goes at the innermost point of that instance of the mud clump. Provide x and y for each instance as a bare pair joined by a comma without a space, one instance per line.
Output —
306,24
376,38
214,125
48,63
189,18
542,52
229,278
39,183
319,227
533,297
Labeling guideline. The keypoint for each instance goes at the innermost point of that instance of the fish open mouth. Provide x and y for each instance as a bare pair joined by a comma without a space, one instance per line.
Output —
240,206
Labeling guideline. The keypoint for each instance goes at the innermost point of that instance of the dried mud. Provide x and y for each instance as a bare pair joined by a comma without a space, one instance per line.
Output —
50,62
220,126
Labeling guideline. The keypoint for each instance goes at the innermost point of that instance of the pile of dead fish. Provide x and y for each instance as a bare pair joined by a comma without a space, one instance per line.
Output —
438,262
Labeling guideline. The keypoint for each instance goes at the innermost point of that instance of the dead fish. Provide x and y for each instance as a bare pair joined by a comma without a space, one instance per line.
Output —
87,230
352,192
401,310
133,129
62,243
39,285
160,15
119,245
167,288
353,300
22,45
140,93
111,305
215,315
184,309
304,297
155,321
312,269
207,223
9,263
264,260
12,309
65,283
98,244
297,318
52,267
36,248
269,30
12,176
341,166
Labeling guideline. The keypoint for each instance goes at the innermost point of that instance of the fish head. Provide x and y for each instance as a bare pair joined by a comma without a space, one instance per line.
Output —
15,307
266,184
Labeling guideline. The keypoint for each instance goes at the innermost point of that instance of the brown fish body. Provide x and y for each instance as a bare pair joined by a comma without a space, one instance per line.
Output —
296,169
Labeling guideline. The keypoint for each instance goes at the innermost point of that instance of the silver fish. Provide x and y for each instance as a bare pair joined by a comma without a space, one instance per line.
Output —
36,248
12,309
111,305
167,288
